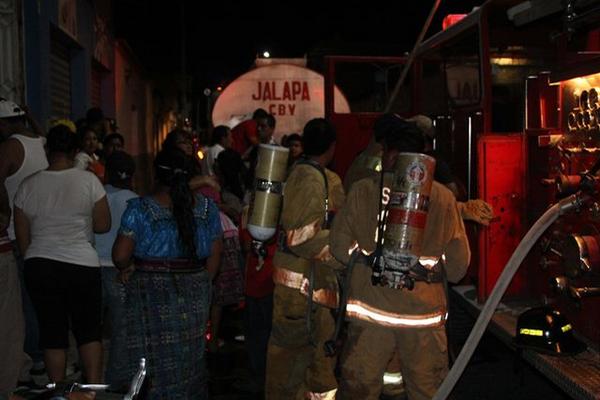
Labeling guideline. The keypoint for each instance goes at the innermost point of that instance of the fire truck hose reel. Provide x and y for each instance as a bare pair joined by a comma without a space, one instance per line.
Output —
565,205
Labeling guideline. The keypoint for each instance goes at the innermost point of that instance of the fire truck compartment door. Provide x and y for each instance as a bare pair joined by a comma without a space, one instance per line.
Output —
501,183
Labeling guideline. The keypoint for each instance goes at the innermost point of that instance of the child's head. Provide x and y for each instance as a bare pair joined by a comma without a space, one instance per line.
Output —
120,168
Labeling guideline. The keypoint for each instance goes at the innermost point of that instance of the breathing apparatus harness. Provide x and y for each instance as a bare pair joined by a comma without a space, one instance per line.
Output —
325,225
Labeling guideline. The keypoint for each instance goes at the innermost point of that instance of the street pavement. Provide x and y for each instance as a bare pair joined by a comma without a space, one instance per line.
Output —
494,373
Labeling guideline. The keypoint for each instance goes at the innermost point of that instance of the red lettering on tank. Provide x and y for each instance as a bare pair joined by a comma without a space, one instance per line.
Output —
266,95
272,109
292,108
281,109
305,93
274,91
258,94
287,94
291,91
296,89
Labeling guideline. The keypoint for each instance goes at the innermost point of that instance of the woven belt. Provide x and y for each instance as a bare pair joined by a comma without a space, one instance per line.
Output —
172,265
294,280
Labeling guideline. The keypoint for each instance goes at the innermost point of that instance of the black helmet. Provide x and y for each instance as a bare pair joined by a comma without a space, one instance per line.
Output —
546,330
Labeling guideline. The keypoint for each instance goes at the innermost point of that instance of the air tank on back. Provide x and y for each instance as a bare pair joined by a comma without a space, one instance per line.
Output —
405,218
270,174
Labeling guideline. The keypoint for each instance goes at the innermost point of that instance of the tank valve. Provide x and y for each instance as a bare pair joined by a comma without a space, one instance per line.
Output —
546,263
581,254
595,211
586,181
561,284
578,293
568,184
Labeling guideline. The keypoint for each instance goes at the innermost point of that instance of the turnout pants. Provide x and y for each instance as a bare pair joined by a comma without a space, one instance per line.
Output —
296,361
369,349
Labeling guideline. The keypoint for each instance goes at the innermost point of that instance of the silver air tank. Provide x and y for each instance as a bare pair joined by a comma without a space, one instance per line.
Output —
406,216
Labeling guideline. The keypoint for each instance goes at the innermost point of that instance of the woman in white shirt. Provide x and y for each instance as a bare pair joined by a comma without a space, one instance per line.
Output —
57,211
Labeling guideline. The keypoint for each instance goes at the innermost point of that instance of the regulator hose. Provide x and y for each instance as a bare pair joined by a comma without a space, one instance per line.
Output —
540,226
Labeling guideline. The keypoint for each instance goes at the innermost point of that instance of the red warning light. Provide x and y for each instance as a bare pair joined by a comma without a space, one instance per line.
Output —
451,19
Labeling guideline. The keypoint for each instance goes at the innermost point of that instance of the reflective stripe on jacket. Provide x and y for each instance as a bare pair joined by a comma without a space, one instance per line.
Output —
294,280
362,311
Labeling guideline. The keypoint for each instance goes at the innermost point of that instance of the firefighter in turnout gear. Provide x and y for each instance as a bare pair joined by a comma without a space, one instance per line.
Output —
304,276
368,164
383,319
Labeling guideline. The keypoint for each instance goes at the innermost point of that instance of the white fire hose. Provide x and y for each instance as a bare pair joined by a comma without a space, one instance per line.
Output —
558,209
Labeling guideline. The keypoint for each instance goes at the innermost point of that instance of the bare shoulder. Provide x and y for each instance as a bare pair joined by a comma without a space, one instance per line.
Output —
11,154
11,143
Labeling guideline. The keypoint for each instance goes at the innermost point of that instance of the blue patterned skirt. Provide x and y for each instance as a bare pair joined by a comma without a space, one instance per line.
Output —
166,316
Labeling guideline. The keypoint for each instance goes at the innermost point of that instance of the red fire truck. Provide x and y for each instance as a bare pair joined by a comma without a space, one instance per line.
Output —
513,89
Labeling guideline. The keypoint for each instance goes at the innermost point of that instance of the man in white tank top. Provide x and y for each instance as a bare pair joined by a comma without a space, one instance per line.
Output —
21,154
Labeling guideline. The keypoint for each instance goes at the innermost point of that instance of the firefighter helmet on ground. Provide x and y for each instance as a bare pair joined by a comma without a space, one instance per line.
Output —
546,330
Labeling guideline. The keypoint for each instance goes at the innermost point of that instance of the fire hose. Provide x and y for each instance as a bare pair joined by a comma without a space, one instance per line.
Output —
562,207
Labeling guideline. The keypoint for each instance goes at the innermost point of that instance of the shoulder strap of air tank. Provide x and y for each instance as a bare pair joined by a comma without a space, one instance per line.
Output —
381,217
319,168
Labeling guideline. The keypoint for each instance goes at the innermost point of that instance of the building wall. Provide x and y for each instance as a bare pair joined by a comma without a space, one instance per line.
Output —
37,56
81,32
134,112
11,55
71,24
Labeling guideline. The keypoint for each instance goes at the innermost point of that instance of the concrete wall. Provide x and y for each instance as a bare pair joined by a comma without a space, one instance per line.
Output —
134,111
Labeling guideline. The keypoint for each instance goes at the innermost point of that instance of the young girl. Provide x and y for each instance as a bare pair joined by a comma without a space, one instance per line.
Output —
87,159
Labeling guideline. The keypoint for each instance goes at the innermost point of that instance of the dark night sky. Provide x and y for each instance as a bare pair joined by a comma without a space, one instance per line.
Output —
224,36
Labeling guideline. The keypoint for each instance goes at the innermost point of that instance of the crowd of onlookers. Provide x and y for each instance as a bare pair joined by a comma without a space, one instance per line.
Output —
81,253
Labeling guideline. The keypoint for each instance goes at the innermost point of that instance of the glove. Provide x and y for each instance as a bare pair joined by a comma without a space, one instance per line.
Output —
476,210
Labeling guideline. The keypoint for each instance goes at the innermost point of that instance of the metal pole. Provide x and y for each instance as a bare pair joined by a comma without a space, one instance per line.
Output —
184,105
412,55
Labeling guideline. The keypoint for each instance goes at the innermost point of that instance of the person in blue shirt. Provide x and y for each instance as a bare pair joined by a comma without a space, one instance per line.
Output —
168,249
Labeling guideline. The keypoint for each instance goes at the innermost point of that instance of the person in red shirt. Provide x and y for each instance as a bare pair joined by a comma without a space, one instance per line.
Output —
259,304
245,134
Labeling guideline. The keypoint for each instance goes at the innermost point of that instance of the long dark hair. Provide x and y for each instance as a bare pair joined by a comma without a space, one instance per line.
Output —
170,142
233,172
174,169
